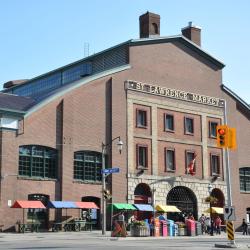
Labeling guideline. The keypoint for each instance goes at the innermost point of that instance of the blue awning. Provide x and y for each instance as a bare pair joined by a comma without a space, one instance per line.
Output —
144,207
61,204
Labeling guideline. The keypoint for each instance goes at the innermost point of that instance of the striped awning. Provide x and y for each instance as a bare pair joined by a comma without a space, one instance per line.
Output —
144,207
167,208
215,210
28,204
61,204
86,205
123,206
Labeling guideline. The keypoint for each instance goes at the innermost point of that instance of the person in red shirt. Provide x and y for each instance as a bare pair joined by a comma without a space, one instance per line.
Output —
217,224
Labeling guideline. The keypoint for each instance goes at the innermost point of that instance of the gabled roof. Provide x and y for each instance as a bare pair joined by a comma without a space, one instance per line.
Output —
182,40
235,96
19,104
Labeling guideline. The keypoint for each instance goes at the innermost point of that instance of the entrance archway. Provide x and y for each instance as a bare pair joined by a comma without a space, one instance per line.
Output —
220,199
142,194
184,199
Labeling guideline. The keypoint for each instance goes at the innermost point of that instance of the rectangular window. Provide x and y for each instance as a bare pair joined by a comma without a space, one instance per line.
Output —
190,161
169,122
215,164
141,118
245,179
189,125
212,129
169,160
142,156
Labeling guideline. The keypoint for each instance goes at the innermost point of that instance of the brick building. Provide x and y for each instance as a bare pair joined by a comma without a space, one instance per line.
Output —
163,96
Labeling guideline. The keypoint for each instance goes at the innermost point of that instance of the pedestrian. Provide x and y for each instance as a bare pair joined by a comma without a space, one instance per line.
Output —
217,224
208,225
190,216
121,221
202,220
244,227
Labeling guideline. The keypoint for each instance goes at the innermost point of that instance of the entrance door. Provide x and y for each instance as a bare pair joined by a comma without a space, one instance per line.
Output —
40,216
184,199
94,213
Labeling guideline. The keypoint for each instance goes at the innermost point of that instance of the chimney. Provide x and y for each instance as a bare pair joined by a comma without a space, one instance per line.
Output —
149,25
192,33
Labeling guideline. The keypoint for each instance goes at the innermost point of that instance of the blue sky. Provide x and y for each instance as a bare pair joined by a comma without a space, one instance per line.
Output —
38,36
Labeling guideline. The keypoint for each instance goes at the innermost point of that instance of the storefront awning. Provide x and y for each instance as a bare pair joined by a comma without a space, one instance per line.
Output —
144,207
215,210
61,204
86,204
123,206
167,208
28,204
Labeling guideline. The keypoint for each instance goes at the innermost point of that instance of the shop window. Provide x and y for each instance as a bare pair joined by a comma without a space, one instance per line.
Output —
215,164
141,118
245,179
169,160
189,125
169,122
87,166
142,156
212,129
37,161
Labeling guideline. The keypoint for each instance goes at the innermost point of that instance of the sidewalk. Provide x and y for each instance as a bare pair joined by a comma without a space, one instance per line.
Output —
98,234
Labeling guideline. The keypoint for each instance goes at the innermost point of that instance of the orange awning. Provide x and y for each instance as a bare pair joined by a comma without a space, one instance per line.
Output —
28,204
86,204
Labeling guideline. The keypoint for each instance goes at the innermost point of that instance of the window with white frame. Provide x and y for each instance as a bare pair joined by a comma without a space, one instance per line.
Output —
189,125
142,156
245,179
169,122
169,159
215,164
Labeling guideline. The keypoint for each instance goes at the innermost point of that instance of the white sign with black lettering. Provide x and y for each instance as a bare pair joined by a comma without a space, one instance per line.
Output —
229,213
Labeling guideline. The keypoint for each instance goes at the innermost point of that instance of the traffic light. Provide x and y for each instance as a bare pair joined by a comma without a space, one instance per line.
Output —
226,137
232,138
222,136
106,194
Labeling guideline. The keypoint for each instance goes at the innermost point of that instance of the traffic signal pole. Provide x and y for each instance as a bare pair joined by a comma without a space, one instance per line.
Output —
228,175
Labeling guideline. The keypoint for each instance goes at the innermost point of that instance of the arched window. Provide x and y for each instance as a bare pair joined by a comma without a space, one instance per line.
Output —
37,161
245,179
87,166
155,28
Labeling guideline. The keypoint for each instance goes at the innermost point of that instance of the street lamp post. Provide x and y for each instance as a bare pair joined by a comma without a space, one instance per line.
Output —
210,188
104,147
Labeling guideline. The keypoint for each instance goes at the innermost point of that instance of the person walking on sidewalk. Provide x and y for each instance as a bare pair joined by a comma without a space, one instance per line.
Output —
244,227
217,224
202,220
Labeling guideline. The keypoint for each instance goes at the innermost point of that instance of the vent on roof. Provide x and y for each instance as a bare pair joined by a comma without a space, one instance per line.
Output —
13,83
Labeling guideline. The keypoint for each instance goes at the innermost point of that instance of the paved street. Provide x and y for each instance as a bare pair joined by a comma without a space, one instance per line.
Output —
94,240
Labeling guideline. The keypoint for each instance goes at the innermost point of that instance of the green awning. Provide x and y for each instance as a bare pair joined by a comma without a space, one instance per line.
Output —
123,206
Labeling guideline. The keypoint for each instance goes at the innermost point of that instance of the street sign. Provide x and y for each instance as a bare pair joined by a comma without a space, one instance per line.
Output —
229,213
110,170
